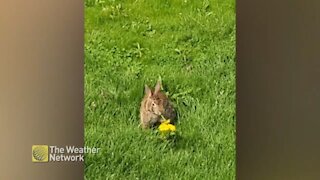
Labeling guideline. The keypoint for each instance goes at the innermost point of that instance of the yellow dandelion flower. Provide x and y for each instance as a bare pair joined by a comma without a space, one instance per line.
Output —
166,121
164,127
172,127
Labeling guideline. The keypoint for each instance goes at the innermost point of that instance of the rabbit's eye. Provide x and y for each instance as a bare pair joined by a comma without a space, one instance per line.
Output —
153,104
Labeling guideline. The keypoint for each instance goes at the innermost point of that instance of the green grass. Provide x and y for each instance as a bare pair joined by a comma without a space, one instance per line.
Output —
191,46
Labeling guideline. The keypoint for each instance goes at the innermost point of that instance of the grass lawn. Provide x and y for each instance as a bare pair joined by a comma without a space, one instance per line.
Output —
190,45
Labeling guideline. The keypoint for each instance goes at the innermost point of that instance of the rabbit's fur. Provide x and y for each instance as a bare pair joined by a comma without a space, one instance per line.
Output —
154,104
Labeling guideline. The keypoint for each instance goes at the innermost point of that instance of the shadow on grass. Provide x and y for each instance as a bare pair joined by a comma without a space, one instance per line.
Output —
179,142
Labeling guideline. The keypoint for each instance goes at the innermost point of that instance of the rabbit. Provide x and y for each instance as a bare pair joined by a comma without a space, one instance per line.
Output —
154,105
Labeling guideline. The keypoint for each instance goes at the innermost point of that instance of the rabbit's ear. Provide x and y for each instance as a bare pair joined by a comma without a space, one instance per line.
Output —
157,88
147,90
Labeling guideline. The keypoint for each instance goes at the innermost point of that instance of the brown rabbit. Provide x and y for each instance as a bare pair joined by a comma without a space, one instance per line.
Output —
154,104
